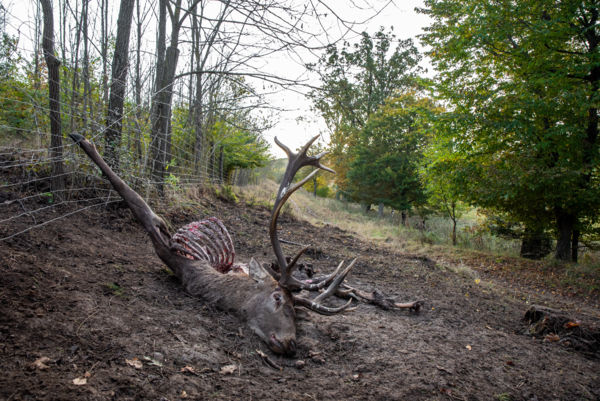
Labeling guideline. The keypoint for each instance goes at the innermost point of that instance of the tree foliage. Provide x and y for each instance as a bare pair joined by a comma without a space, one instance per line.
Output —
356,81
521,134
388,151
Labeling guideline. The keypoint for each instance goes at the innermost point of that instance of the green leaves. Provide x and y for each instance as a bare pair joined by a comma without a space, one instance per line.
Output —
357,80
386,156
521,83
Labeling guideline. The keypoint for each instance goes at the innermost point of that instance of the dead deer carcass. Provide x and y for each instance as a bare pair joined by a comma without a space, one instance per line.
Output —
201,255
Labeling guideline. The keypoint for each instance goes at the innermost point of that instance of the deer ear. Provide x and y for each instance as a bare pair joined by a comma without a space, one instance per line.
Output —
257,272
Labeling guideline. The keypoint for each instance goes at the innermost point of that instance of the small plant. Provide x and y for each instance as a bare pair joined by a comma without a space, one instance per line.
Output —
49,196
114,288
503,397
173,182
227,194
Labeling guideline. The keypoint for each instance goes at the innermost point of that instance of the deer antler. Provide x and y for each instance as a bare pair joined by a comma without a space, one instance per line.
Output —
295,162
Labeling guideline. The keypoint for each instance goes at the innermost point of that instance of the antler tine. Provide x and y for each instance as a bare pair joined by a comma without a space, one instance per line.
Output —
317,284
316,305
296,162
319,165
295,258
287,150
322,309
308,144
335,283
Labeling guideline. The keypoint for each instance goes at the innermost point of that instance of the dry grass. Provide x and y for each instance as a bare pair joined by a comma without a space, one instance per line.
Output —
477,252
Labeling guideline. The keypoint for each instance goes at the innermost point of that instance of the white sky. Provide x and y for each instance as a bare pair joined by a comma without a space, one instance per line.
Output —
295,131
297,123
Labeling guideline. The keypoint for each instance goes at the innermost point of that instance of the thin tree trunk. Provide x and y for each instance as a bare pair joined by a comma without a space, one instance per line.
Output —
453,217
114,119
104,50
138,85
221,158
161,137
575,245
56,150
75,79
87,87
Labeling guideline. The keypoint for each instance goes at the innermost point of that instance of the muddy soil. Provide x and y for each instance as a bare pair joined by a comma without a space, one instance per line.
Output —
87,311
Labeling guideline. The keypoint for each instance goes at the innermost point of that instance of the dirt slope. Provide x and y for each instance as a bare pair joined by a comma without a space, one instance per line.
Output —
89,295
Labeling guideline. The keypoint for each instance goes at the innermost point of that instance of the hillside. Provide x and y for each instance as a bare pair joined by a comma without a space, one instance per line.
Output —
88,299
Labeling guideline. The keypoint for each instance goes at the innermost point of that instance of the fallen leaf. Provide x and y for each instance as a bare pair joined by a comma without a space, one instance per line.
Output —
183,394
477,281
80,381
228,369
87,374
153,361
468,347
571,324
135,362
188,369
551,338
40,363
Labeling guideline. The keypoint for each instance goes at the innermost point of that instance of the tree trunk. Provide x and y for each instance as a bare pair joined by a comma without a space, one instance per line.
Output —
404,216
380,210
164,95
114,117
575,245
138,85
565,223
535,244
104,50
87,87
75,78
56,150
160,129
221,157
314,179
453,231
453,217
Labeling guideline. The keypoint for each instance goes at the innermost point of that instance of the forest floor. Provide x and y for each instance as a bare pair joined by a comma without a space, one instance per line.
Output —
88,311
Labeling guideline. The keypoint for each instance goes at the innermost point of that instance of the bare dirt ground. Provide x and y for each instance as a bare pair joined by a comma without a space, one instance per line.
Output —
87,311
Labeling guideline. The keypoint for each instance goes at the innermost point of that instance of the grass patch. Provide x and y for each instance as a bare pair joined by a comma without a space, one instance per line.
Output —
477,249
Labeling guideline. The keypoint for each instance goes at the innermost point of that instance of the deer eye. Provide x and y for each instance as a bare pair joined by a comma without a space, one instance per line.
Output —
277,298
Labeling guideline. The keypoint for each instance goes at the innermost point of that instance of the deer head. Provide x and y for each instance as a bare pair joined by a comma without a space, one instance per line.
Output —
201,255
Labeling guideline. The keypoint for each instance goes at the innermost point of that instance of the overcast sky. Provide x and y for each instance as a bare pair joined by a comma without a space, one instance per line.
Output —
298,124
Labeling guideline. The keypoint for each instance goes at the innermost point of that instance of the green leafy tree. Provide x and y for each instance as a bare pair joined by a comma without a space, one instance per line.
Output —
521,82
387,154
357,79
242,148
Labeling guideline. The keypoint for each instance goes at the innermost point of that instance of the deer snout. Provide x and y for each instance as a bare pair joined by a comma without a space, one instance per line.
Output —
285,346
